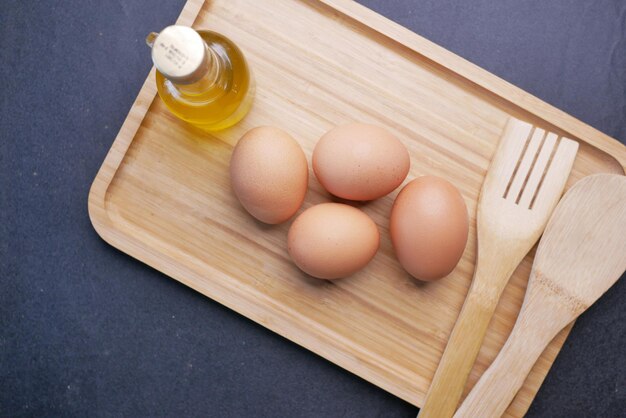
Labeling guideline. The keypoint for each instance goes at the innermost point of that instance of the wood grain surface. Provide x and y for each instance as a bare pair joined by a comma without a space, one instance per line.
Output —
163,195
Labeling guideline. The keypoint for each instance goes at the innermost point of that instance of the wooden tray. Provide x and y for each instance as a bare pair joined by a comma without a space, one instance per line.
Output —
163,194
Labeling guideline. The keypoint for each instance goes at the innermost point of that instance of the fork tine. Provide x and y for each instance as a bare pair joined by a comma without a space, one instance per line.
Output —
507,155
552,186
526,164
538,170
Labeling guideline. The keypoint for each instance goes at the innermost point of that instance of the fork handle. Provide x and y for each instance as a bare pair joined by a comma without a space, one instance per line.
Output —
457,361
465,341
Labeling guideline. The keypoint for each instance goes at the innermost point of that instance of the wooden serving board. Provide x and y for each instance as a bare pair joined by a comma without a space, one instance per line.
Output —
163,193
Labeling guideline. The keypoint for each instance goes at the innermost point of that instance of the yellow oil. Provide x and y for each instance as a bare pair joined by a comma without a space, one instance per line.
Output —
222,97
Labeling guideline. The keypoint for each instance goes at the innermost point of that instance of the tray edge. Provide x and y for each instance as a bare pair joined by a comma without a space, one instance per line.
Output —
481,77
97,192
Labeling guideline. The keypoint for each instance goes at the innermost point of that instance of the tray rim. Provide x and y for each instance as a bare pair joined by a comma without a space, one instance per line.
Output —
106,227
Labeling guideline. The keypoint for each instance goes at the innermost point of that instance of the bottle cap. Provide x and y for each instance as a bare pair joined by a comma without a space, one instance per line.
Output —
179,53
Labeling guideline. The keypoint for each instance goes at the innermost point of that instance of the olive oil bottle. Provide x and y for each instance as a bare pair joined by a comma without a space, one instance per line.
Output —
202,76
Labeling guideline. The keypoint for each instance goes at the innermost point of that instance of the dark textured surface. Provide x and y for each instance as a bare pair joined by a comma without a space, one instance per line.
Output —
87,330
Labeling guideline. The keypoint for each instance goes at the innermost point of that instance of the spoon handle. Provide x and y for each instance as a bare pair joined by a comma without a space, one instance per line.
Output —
497,387
500,383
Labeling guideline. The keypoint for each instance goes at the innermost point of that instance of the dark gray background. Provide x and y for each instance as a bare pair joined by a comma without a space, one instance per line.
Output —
87,330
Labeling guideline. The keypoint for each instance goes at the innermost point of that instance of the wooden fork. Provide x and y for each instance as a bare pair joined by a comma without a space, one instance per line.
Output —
523,185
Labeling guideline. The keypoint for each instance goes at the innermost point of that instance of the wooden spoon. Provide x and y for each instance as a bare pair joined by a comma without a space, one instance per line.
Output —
581,255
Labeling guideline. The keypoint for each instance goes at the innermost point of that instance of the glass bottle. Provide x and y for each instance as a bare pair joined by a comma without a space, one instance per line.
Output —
202,76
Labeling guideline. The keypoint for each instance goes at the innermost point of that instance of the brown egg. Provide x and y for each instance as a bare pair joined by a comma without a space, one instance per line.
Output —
360,161
332,240
429,227
269,174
